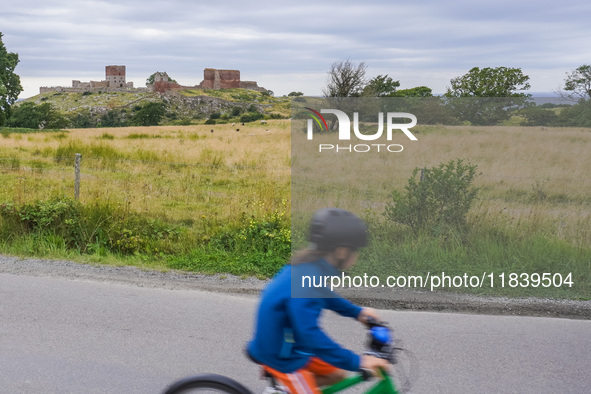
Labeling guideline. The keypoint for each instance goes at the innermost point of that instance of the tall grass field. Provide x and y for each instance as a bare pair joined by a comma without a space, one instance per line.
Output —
204,198
215,199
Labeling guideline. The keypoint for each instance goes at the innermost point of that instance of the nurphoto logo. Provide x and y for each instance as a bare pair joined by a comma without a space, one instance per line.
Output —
344,133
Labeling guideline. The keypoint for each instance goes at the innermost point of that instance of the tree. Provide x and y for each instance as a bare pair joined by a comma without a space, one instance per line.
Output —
114,118
578,115
535,115
345,79
83,120
10,83
578,83
33,116
487,96
418,91
295,94
381,86
490,82
150,115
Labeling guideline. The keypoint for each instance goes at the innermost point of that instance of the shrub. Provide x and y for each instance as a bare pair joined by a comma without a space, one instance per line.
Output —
114,118
236,111
538,116
87,227
251,117
437,201
254,246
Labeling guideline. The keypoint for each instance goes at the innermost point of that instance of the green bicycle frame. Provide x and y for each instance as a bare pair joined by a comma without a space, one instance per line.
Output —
384,386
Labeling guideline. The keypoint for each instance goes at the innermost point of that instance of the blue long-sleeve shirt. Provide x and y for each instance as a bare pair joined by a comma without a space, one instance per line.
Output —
287,331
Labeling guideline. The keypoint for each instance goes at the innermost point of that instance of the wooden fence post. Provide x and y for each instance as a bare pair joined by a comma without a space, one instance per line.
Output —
77,177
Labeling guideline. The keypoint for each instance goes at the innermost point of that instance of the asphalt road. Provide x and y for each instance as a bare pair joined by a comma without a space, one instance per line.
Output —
60,335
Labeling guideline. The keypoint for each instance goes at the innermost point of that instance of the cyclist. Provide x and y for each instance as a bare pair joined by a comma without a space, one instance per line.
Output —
288,341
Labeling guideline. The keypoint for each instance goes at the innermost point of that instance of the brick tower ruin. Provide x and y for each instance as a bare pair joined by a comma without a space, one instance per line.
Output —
226,79
220,79
115,76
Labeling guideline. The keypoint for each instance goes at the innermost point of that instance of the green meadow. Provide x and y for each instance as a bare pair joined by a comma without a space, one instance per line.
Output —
184,197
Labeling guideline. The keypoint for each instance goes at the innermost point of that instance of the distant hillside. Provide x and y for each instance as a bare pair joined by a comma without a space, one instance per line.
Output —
190,106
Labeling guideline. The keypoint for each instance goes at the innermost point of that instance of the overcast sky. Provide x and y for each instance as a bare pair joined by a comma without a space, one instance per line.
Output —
289,46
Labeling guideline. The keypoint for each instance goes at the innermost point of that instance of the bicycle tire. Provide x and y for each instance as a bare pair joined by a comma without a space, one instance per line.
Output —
221,383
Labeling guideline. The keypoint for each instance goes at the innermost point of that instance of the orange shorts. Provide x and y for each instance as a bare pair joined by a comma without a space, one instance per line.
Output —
303,380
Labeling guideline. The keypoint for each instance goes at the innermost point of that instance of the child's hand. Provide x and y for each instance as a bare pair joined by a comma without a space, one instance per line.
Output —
367,313
373,363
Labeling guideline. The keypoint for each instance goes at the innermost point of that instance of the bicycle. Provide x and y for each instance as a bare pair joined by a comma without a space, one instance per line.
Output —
381,344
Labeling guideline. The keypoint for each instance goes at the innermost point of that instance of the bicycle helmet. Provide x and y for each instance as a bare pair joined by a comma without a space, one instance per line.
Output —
334,227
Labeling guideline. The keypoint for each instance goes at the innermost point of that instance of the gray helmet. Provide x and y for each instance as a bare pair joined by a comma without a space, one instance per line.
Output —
334,227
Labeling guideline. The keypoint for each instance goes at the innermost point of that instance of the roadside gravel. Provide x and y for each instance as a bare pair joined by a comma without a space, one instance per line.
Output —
396,299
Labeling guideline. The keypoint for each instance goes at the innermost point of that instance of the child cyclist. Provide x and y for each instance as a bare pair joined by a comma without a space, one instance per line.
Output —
288,340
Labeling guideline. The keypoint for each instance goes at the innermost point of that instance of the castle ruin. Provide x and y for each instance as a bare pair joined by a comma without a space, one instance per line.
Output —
226,79
212,79
115,80
220,79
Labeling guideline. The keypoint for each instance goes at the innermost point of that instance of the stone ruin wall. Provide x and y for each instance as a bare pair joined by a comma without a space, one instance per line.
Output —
89,88
226,79
165,86
220,79
252,85
162,84
115,82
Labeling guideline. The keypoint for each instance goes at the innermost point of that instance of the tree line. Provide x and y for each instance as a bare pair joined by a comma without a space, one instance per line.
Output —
482,96
347,79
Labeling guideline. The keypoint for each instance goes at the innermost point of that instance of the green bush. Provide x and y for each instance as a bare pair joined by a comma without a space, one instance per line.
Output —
251,117
538,116
87,228
236,111
435,201
251,247
114,118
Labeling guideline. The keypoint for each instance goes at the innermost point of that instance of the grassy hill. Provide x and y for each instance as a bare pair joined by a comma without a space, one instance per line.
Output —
183,107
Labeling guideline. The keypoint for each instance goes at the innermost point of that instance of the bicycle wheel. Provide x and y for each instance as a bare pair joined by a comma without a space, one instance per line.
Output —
207,383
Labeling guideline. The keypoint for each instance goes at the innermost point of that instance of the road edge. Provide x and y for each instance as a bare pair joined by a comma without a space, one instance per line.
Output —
393,299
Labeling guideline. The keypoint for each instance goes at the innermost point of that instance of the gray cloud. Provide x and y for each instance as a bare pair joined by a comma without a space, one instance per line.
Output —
290,46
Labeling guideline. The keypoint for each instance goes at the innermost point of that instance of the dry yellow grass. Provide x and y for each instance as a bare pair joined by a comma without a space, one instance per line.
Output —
177,172
535,178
